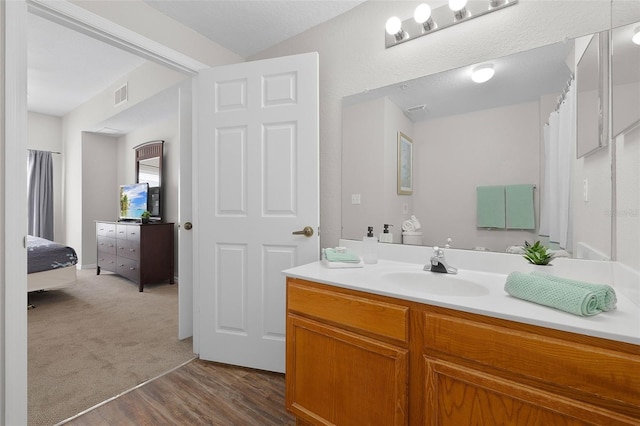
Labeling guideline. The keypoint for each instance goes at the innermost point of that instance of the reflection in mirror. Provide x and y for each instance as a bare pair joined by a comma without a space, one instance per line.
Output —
149,158
592,96
465,136
625,78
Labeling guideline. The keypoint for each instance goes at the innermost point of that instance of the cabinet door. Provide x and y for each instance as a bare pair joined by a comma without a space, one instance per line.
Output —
335,377
457,395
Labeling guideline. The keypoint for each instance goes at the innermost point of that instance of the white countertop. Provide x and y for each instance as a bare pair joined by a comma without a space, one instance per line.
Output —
481,293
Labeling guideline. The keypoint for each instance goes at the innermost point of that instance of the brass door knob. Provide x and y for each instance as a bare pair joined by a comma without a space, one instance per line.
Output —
307,231
188,225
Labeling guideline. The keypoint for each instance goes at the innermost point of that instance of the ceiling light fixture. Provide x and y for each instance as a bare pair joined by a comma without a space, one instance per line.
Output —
422,15
636,36
426,20
482,73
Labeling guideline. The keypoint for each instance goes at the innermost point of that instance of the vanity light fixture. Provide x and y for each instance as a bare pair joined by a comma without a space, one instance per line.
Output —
458,8
394,28
636,36
422,15
482,73
427,20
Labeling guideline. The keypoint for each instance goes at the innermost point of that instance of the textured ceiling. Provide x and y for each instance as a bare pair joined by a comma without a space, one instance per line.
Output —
247,27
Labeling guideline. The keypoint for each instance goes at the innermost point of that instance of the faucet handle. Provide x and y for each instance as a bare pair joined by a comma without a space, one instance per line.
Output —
448,244
438,252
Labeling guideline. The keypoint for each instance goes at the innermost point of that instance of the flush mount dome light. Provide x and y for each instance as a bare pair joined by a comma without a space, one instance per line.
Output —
482,73
636,36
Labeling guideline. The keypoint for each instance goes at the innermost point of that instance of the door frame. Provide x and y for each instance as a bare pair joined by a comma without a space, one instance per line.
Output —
13,367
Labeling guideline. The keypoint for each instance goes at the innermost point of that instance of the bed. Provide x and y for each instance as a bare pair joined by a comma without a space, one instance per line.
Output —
50,264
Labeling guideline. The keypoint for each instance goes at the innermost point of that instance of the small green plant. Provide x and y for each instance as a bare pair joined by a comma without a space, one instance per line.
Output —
145,215
537,253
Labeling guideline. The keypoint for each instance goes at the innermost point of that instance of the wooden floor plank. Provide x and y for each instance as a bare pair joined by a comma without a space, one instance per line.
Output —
198,393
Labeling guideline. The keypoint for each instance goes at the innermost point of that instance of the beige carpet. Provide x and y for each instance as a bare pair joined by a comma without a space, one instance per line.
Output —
96,339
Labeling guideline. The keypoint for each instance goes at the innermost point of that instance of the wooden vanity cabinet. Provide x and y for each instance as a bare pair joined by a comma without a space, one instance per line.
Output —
356,358
346,358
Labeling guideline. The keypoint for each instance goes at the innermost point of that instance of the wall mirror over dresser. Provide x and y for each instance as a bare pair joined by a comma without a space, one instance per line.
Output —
149,159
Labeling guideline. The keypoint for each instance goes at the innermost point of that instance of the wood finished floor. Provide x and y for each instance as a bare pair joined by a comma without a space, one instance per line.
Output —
198,393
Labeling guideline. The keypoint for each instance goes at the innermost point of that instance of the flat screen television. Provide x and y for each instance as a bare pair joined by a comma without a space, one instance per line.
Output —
134,199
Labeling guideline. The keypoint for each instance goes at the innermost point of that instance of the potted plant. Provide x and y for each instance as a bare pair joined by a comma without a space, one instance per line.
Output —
145,216
537,253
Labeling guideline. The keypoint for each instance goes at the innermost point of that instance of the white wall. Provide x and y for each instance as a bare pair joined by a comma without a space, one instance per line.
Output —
353,58
628,205
99,189
45,134
369,168
498,146
168,131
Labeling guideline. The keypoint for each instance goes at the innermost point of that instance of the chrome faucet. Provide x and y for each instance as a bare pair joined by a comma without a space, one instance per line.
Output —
437,263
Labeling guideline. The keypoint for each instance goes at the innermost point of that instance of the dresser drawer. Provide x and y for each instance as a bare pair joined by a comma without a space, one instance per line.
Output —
353,312
129,249
107,261
133,233
545,359
129,269
121,231
106,245
104,229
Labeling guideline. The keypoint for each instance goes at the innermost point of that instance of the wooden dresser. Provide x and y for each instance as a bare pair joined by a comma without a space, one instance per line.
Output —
142,253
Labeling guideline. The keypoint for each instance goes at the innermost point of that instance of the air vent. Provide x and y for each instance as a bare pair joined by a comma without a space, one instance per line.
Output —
416,108
121,94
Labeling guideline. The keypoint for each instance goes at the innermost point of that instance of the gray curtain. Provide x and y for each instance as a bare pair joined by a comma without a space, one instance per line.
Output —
40,193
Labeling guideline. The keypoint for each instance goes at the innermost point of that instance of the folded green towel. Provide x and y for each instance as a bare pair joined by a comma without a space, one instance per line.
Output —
346,256
563,296
606,294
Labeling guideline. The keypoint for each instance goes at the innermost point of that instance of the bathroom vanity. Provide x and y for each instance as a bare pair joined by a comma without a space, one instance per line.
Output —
370,346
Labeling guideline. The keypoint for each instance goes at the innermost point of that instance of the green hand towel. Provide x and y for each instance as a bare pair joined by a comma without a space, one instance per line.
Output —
606,294
490,207
519,207
347,256
566,297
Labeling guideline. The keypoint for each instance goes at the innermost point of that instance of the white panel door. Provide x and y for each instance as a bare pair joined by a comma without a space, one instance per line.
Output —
255,183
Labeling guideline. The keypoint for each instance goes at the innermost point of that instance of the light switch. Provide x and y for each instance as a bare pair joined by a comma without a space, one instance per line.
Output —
355,198
585,190
405,208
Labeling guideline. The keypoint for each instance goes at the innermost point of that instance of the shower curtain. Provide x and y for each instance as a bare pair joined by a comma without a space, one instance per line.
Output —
40,193
559,152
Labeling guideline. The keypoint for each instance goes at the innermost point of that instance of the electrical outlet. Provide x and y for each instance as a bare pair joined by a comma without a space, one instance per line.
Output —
355,198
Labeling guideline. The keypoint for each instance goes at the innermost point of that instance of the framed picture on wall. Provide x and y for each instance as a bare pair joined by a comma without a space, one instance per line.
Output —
405,164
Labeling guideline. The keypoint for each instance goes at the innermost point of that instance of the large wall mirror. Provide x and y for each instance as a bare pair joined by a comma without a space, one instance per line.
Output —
149,159
467,135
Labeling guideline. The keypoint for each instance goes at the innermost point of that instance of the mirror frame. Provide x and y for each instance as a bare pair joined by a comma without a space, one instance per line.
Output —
148,150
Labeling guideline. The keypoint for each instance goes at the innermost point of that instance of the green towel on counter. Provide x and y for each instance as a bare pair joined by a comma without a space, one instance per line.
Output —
490,207
606,294
346,256
558,295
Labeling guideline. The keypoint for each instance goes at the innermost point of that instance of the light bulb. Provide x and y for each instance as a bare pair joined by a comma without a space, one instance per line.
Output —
636,36
457,5
482,73
422,13
394,25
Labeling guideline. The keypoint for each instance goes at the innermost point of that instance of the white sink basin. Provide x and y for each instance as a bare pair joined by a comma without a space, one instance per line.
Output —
435,283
